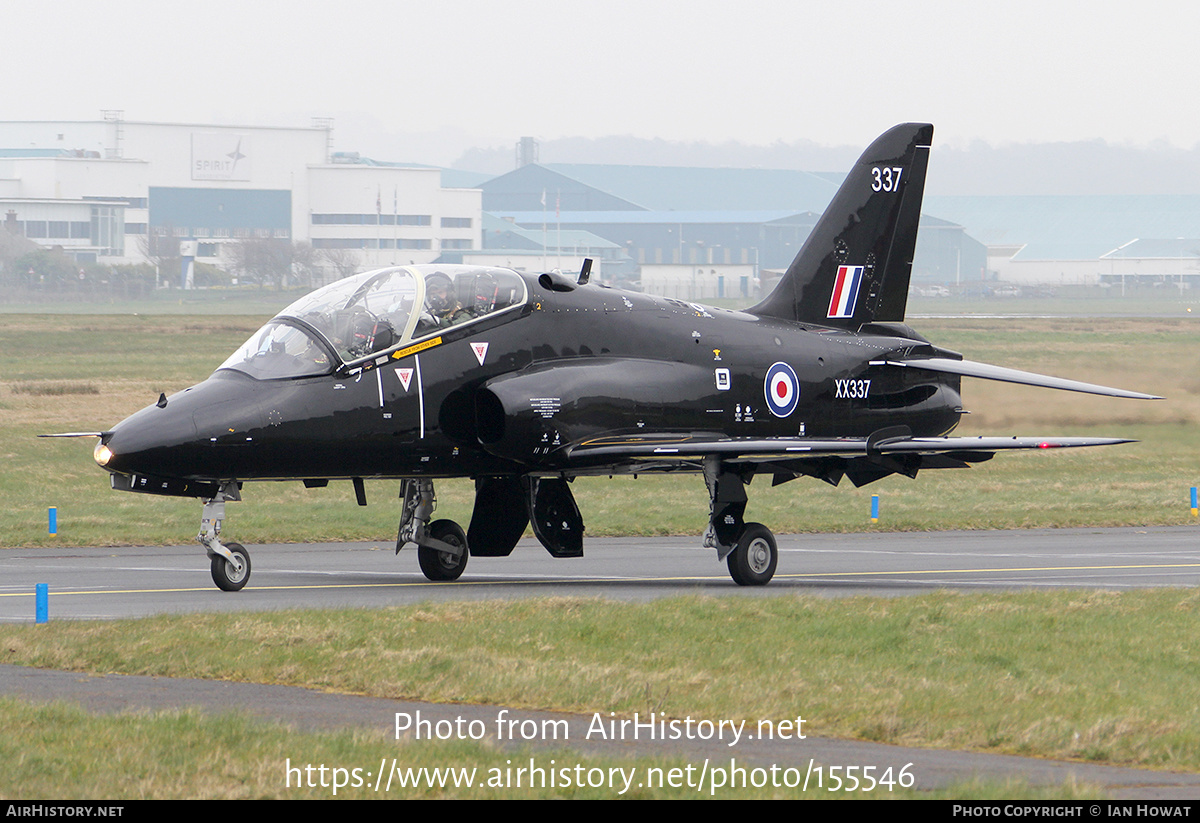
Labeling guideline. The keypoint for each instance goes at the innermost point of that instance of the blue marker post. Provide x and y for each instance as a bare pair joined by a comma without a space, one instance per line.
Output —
41,609
1195,508
874,508
53,520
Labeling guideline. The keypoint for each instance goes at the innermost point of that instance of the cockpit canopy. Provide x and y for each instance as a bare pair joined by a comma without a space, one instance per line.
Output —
371,313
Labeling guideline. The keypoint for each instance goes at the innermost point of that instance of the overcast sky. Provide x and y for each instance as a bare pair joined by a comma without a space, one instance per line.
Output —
422,81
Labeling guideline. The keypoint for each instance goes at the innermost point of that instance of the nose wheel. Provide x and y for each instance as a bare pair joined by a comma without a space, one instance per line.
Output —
231,575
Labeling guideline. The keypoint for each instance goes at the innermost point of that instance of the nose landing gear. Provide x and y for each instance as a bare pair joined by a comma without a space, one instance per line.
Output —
230,563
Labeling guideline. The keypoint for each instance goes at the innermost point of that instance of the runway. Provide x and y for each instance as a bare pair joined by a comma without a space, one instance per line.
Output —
107,583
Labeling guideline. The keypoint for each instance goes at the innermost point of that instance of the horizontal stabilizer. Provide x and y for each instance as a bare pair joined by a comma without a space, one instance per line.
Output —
969,368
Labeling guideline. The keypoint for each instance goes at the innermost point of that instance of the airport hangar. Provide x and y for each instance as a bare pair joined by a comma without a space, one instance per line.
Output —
697,233
688,229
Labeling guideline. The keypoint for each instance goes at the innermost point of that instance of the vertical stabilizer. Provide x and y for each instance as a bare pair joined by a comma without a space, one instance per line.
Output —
855,266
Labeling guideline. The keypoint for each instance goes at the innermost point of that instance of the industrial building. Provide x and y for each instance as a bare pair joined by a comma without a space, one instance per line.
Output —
114,191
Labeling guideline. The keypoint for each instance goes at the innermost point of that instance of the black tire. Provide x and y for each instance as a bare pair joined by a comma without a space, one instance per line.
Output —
753,562
443,566
225,575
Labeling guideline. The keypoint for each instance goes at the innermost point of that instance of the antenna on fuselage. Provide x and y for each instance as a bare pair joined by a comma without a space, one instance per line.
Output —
586,271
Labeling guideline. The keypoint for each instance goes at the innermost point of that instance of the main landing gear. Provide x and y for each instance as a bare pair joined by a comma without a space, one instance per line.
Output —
504,507
748,549
752,561
230,562
442,544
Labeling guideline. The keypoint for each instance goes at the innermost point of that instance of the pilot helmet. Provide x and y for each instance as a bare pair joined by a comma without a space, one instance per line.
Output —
439,291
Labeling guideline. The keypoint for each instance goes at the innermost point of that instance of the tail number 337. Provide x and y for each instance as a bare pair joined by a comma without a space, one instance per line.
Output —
886,178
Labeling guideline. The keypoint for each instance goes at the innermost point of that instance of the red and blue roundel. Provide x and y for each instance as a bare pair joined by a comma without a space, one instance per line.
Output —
782,390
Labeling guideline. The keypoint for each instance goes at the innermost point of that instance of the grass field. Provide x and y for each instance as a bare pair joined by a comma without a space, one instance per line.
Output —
62,752
1094,676
1002,672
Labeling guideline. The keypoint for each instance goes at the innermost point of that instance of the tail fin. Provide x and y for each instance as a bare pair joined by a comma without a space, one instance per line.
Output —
855,266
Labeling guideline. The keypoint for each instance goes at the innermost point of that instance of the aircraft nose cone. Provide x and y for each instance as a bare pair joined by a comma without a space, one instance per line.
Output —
148,442
176,436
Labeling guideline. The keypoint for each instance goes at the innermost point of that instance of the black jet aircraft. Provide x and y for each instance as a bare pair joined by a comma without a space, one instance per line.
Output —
523,382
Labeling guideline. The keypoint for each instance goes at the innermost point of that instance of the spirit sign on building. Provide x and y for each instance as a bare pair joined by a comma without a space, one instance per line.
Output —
220,157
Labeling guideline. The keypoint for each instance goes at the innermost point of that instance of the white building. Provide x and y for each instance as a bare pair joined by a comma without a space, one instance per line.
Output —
110,190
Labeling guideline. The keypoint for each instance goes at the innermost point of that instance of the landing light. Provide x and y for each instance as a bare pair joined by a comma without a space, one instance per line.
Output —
102,454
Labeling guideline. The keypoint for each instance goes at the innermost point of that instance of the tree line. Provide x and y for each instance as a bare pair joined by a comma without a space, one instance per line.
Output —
269,263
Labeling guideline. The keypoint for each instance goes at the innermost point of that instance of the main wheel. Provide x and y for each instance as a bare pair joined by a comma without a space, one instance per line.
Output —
439,565
753,562
225,574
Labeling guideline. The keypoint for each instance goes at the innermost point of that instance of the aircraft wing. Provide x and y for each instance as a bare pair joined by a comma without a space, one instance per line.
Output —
970,368
861,460
887,442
